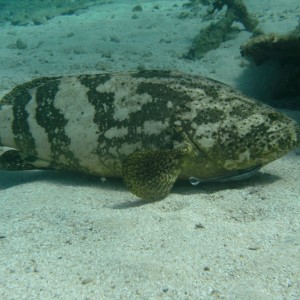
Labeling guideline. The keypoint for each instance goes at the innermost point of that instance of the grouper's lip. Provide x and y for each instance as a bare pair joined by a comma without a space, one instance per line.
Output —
235,175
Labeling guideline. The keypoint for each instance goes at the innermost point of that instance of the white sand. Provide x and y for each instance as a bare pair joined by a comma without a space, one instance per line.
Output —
66,236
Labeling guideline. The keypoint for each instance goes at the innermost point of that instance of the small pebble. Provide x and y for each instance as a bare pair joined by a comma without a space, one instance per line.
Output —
101,66
199,226
70,34
114,39
137,8
254,248
39,21
19,44
87,281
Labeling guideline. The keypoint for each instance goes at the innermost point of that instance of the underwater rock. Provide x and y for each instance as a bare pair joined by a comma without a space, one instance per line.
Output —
281,47
284,47
238,8
212,36
149,127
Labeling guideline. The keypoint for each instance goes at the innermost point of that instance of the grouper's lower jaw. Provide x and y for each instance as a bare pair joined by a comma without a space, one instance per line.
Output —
234,176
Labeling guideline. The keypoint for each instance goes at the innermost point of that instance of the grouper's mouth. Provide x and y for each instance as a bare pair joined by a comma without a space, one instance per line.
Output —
233,176
284,147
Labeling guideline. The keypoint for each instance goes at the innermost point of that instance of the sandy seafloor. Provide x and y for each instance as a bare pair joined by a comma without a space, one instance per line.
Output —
68,236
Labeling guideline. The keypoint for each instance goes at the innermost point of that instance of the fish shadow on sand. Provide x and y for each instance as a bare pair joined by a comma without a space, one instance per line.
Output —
10,179
184,188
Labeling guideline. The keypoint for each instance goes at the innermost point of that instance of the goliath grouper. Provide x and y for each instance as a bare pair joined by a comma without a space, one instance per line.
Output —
150,127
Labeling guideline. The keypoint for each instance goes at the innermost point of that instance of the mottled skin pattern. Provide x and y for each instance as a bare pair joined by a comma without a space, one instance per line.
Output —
148,127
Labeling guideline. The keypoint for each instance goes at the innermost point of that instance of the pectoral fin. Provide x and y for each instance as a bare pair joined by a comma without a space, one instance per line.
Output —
150,175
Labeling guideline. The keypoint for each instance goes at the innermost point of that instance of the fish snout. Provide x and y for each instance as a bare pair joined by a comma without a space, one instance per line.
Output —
298,134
